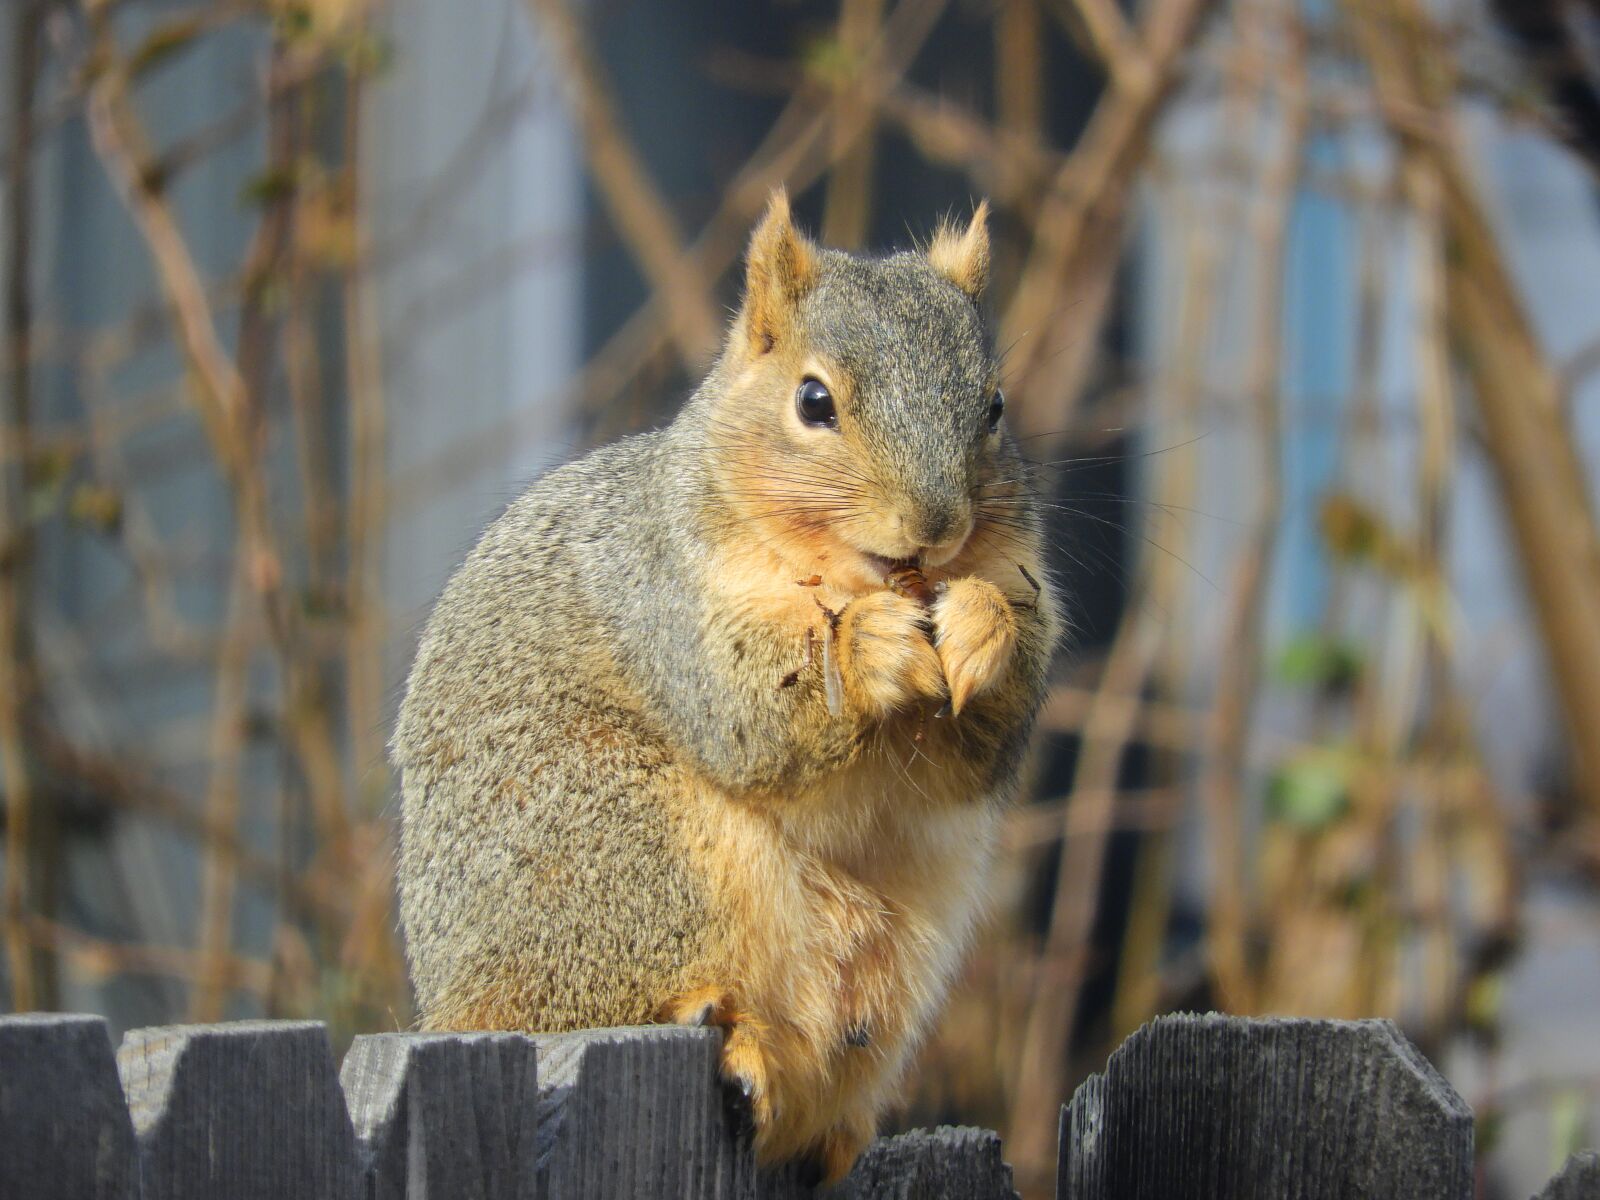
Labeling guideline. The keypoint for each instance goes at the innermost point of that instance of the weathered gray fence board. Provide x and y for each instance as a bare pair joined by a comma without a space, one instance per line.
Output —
1579,1179
445,1116
244,1111
637,1113
64,1129
953,1163
1209,1106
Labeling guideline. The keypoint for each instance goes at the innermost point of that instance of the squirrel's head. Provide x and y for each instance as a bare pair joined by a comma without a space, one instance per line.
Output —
859,406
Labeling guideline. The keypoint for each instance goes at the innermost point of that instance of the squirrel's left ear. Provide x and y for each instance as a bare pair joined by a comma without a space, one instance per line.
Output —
963,258
780,269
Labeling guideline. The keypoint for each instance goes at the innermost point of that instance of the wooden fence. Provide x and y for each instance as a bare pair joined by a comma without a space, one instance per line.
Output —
1187,1107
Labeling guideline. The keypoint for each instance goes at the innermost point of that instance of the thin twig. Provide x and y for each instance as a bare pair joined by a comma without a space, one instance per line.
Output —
1174,398
101,958
366,515
1041,1081
1060,300
849,196
1222,779
630,195
1107,34
24,854
228,701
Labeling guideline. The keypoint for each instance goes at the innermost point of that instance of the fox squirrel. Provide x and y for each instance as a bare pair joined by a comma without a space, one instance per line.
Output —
673,751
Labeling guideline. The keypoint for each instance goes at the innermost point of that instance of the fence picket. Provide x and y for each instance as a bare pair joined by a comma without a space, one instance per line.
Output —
954,1163
249,1110
64,1129
445,1114
638,1112
1579,1179
1204,1106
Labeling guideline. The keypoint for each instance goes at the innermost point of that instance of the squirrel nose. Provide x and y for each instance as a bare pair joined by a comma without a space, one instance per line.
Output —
934,528
940,528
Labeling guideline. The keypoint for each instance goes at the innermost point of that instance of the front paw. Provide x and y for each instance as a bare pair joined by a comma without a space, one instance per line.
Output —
886,657
975,633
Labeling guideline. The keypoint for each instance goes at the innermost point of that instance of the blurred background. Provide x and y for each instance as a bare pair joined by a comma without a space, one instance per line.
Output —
1302,303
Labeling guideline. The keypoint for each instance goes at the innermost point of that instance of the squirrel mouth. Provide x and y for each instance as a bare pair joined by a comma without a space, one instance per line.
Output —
882,565
927,558
889,564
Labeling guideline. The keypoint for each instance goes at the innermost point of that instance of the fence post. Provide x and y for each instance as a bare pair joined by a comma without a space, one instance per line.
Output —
638,1113
249,1110
1203,1106
950,1162
1579,1179
64,1130
445,1114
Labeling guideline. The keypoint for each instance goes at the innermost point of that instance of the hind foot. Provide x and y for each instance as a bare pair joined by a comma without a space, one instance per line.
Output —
744,1062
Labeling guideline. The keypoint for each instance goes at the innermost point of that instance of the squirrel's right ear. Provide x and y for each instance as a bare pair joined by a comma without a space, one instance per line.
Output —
963,258
781,267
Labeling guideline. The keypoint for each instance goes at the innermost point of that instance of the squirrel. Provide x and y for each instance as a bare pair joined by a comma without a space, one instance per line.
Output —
673,750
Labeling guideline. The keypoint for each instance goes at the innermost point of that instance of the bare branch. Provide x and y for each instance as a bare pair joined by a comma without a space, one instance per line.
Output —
1077,237
630,195
100,958
849,197
222,800
1109,38
1087,824
31,985
1223,774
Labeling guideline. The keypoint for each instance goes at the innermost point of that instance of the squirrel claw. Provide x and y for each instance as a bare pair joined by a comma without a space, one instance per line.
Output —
741,1100
702,1017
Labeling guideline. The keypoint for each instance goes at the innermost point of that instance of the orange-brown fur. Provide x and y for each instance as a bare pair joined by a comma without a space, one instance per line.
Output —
873,883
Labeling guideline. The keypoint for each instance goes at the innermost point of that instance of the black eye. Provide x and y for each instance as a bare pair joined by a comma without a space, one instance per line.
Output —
997,409
814,403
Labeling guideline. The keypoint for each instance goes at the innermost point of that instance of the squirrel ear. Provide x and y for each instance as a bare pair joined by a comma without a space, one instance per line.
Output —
780,268
963,258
